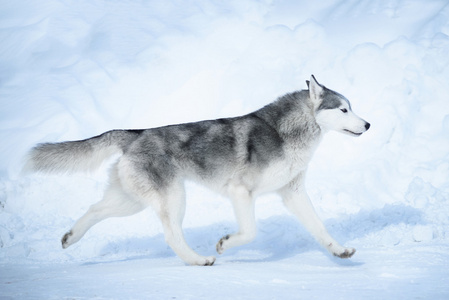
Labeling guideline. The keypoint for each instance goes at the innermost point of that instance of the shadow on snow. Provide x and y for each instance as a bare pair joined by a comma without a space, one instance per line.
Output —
278,237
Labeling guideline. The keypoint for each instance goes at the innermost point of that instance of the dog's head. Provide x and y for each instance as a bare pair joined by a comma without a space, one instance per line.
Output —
333,111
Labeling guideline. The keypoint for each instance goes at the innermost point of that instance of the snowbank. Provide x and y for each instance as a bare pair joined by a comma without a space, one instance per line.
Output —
74,70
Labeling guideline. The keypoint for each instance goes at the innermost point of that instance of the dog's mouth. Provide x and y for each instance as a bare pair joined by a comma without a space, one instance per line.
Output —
352,132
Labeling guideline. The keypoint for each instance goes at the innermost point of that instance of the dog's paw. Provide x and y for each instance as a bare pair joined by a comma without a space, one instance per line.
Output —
201,261
66,239
220,248
209,261
347,253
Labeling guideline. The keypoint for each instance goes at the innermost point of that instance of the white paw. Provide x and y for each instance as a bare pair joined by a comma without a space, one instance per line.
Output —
210,260
66,239
205,261
346,253
220,247
69,239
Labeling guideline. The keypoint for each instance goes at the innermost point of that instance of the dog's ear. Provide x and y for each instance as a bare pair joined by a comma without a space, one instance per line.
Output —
308,83
315,90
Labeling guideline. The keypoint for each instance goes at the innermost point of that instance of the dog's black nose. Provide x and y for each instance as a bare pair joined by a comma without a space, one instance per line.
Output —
367,125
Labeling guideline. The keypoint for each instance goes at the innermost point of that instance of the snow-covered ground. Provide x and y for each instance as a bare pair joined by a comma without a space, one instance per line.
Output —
73,69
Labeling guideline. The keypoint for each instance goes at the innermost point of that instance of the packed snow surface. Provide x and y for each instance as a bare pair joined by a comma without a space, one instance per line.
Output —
70,70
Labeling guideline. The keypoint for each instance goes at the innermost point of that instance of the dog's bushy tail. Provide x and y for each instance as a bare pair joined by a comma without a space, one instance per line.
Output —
76,156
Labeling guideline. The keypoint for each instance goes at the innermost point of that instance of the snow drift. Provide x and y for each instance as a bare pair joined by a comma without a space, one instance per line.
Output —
70,71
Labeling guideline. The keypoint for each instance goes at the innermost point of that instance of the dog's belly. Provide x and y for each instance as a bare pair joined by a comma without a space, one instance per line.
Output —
255,179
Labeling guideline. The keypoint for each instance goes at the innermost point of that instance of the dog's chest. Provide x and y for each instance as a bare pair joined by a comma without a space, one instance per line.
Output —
283,170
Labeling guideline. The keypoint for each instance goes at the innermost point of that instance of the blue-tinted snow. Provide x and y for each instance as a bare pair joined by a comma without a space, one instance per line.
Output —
71,70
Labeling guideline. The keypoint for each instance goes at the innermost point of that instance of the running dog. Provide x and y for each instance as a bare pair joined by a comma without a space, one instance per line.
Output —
242,157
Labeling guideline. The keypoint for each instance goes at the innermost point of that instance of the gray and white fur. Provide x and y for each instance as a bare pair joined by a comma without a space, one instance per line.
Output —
241,157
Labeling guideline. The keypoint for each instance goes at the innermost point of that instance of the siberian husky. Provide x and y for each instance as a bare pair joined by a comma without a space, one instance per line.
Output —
242,157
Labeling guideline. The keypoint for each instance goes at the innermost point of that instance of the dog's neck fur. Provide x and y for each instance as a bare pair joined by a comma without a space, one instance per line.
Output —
284,113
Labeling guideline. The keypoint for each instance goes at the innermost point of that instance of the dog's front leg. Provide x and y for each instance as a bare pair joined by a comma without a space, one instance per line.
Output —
243,204
297,201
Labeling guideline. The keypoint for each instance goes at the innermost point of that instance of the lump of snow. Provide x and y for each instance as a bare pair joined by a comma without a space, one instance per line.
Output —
422,233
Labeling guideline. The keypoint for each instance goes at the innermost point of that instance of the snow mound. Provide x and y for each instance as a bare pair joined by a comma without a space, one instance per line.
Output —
75,70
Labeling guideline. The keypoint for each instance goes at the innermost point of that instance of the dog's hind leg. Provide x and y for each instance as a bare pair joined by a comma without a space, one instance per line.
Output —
170,208
297,201
115,203
243,204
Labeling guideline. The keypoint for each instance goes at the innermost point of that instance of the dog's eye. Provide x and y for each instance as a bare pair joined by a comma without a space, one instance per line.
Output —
344,110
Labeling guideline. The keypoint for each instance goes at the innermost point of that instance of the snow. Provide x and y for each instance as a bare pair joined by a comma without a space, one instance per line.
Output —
71,70
303,276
